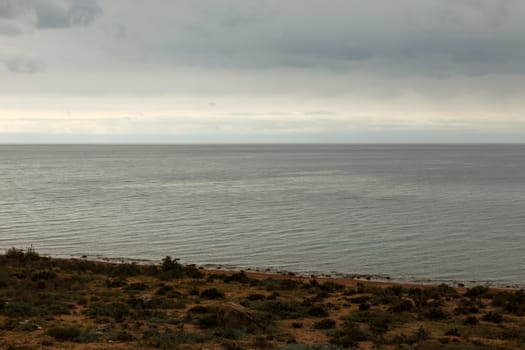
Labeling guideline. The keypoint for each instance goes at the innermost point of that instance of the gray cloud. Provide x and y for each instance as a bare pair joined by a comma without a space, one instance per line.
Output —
247,66
451,36
22,16
23,66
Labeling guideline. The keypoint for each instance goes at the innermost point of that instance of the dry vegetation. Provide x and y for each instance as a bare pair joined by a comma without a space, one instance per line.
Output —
50,303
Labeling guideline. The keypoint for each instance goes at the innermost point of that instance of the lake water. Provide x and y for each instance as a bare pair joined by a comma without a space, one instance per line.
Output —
411,212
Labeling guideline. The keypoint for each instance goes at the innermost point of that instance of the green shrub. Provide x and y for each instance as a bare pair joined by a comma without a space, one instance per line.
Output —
272,284
255,296
471,321
331,287
64,333
435,313
18,309
237,277
477,292
123,336
494,317
22,256
199,309
139,286
325,323
317,311
212,293
192,271
513,303
118,311
401,305
454,332
347,337
419,335
364,307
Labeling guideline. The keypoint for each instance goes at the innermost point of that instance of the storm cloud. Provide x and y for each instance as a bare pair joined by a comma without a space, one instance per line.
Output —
229,68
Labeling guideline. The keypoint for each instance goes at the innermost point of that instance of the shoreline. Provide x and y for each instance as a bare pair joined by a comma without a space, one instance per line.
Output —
338,276
79,304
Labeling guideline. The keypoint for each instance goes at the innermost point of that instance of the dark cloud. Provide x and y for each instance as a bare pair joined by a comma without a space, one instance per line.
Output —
21,16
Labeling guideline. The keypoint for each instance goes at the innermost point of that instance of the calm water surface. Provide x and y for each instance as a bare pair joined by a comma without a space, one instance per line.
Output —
417,212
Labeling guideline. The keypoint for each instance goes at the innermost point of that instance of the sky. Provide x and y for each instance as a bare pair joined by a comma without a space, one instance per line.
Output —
173,71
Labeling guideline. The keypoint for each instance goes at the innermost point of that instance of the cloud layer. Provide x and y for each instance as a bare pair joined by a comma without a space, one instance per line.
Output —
24,16
228,68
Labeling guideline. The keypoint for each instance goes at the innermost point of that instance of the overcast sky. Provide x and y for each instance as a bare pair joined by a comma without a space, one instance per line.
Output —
262,71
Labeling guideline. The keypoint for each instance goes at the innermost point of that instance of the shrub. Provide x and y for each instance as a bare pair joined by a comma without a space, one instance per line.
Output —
123,336
199,309
192,271
19,255
18,309
435,314
171,268
282,310
454,332
364,307
477,292
255,296
87,337
237,277
325,323
317,311
494,317
465,307
64,333
272,284
331,287
378,326
118,311
4,278
402,305
347,337
208,321
212,293
513,303
139,286
471,321
360,299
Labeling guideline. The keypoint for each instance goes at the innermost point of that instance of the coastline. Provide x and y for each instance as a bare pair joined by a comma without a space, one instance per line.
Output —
379,278
82,304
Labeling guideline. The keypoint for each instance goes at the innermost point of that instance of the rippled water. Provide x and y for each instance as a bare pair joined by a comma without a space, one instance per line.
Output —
408,211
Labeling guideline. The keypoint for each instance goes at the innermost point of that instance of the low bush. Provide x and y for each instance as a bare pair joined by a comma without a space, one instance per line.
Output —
64,333
434,313
317,311
255,296
513,303
494,317
118,311
237,277
347,337
123,336
18,309
212,293
454,332
325,323
476,292
471,321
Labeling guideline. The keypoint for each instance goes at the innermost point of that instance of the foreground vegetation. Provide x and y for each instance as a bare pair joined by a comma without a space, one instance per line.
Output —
78,304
